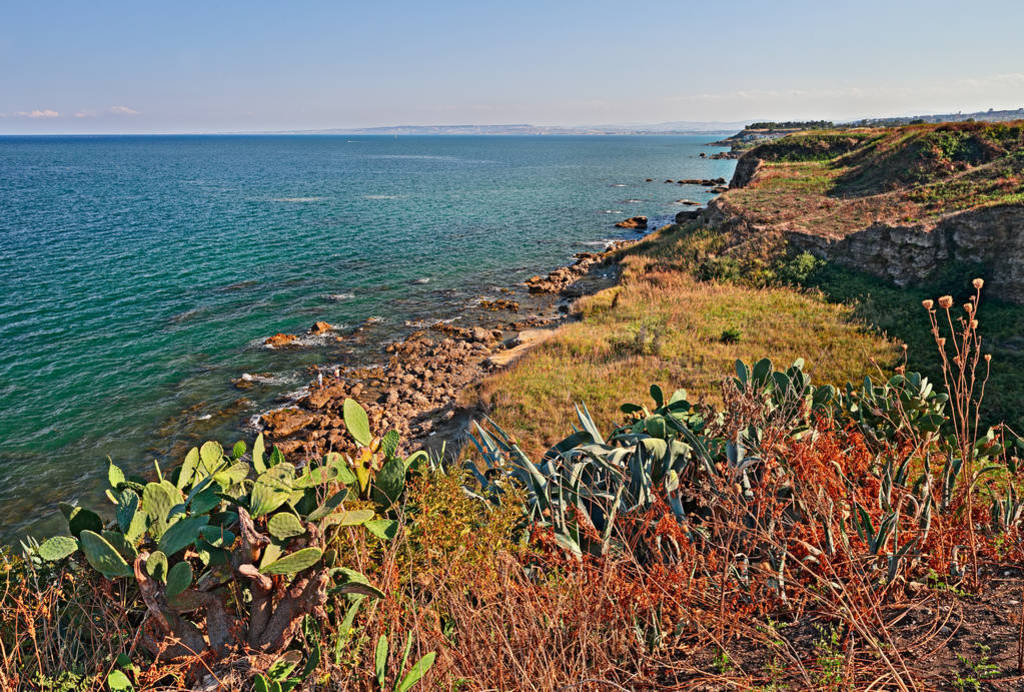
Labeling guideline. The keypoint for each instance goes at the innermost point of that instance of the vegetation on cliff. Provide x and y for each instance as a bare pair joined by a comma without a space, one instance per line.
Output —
836,181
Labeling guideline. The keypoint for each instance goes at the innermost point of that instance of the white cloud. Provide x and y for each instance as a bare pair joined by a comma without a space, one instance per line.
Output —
122,110
46,113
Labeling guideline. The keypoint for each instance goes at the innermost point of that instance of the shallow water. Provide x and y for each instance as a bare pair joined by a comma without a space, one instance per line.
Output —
139,275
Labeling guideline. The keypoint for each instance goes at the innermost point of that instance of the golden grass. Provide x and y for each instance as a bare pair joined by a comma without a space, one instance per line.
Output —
661,326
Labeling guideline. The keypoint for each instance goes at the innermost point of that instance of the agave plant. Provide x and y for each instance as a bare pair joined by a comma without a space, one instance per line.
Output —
235,548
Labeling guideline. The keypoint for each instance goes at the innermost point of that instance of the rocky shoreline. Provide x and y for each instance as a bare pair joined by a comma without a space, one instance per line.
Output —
416,391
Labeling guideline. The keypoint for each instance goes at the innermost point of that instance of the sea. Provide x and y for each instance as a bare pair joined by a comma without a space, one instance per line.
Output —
140,275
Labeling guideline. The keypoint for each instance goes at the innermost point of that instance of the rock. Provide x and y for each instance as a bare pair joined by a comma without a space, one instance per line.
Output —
285,422
687,215
320,328
719,189
321,396
668,180
280,340
500,304
637,222
649,180
688,202
481,335
703,155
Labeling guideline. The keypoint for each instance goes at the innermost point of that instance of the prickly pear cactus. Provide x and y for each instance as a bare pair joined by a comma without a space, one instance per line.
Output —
234,549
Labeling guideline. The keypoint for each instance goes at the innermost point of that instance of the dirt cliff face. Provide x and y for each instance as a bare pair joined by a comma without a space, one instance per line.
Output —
900,233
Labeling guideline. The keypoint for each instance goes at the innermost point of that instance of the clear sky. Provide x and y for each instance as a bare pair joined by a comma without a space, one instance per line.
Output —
140,66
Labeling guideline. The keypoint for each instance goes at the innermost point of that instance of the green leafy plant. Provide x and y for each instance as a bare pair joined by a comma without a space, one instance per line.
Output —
236,549
411,676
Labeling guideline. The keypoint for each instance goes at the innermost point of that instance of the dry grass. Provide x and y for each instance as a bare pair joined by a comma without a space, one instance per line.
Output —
661,326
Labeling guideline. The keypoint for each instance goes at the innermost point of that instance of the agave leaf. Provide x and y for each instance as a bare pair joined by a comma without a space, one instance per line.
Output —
381,660
418,670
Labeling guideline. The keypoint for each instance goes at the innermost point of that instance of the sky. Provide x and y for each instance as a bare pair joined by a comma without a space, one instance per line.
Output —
105,66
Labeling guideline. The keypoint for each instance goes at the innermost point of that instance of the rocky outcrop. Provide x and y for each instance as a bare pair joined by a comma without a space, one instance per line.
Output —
992,237
635,222
559,280
746,168
687,215
280,340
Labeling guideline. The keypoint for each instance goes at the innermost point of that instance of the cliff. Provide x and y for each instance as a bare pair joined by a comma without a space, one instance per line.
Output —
901,203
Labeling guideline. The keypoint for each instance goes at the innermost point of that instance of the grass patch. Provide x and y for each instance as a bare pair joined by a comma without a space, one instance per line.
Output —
662,325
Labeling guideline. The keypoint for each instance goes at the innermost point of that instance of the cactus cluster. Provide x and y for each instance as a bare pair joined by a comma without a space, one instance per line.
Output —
236,547
586,482
587,488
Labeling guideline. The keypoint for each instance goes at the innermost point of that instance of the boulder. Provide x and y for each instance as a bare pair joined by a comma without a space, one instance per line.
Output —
482,335
637,222
687,215
279,340
320,328
286,421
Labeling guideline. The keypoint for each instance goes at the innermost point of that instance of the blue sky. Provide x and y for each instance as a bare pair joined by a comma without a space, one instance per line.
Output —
233,66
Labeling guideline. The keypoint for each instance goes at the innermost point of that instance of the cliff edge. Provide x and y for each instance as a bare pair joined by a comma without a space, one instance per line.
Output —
901,203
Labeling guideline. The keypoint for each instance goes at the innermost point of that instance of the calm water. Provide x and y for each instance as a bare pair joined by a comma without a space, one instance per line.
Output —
138,275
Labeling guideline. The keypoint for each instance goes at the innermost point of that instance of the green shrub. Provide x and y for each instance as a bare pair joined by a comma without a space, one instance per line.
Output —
235,549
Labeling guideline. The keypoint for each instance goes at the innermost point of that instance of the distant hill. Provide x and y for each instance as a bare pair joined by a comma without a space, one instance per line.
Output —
667,128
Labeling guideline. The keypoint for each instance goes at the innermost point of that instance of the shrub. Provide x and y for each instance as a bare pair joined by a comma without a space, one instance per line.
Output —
232,551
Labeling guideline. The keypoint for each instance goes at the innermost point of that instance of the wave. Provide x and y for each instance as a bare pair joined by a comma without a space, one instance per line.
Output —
297,200
338,297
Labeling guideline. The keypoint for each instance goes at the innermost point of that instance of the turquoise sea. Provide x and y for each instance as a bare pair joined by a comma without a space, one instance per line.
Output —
139,275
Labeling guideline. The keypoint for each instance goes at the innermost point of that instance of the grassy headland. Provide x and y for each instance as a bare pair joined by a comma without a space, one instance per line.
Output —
762,530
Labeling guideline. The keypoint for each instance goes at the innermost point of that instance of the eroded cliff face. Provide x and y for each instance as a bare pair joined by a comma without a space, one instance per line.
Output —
992,237
904,254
